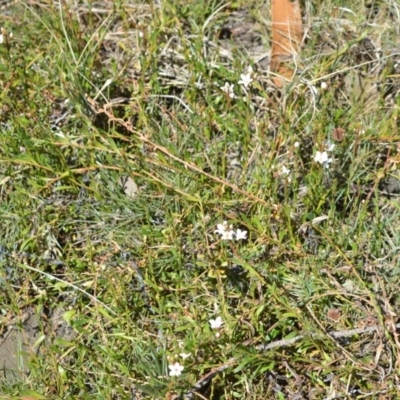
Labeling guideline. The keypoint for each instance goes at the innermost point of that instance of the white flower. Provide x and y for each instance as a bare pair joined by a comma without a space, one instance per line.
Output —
1,38
245,80
175,369
285,171
241,234
185,355
222,229
296,145
216,323
324,85
322,158
228,89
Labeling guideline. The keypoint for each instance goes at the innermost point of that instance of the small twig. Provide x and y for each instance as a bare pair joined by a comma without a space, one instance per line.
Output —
168,96
190,166
201,383
321,78
208,377
334,334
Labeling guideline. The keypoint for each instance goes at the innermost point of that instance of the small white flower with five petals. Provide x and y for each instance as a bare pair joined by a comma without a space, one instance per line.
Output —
285,171
225,231
221,228
228,89
322,158
245,80
240,234
216,323
175,369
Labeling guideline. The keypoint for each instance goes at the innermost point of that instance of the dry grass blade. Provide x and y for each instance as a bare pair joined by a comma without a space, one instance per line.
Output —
287,35
190,166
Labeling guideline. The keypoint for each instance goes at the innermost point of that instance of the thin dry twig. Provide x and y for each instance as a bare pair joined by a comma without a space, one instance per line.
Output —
162,149
201,383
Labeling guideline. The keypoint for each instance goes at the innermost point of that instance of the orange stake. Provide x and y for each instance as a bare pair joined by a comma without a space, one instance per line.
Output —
287,35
